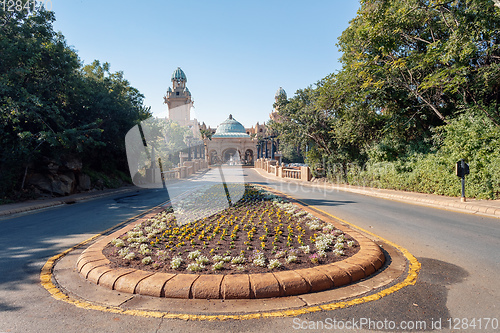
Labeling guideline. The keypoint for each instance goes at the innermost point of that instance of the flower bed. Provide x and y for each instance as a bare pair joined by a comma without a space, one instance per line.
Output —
261,233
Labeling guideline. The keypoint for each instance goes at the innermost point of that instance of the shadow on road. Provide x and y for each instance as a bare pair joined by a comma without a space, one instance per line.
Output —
326,202
426,301
28,240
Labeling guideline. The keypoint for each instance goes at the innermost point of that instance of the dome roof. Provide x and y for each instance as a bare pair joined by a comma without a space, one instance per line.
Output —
230,128
178,75
280,92
186,90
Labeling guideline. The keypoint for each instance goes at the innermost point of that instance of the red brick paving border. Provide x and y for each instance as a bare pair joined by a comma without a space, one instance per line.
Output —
93,266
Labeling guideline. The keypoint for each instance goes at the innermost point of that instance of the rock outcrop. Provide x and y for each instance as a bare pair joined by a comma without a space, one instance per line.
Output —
60,179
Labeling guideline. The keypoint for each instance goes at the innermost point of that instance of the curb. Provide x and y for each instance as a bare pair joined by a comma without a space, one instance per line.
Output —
467,207
95,267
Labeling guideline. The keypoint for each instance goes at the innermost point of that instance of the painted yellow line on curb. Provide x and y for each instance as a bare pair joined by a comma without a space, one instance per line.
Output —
56,293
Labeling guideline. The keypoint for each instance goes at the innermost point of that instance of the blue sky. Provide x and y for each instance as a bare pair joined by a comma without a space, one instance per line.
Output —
235,54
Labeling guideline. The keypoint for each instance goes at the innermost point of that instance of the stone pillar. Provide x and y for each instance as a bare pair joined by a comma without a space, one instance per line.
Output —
305,173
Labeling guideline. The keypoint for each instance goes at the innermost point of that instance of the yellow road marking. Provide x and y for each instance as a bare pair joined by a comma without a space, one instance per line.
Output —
56,293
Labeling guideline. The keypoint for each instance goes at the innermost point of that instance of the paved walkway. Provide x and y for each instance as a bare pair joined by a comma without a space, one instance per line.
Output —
20,207
489,208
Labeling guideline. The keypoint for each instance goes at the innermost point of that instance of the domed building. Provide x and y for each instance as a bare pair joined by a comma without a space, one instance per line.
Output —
230,144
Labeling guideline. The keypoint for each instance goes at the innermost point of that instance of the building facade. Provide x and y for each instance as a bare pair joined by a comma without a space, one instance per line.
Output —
230,142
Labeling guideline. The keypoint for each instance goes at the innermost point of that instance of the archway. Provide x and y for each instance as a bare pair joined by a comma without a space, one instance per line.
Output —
231,156
249,156
213,157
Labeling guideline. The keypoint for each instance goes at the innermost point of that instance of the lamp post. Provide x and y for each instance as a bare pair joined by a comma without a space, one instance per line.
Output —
272,146
267,150
188,142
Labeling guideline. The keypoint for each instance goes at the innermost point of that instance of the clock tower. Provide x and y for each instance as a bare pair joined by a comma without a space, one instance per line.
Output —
178,99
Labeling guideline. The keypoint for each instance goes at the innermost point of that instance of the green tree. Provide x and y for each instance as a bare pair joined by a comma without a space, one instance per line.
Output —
443,55
51,107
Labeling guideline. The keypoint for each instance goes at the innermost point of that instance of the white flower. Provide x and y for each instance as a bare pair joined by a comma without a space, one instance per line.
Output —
135,233
314,224
118,242
291,259
217,258
130,256
321,253
175,263
328,228
161,254
300,213
195,267
321,245
339,246
123,252
201,260
144,250
193,255
238,260
338,252
273,263
305,248
260,260
147,260
350,243
218,266
280,254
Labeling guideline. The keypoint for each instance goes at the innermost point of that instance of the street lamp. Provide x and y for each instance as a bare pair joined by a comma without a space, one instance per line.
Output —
272,146
188,142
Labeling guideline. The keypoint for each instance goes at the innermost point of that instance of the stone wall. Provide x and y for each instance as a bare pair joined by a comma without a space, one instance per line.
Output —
279,170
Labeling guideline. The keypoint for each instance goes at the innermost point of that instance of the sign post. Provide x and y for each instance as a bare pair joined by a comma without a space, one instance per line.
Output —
462,169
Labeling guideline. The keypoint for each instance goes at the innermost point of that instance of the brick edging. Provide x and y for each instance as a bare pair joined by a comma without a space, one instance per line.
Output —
95,267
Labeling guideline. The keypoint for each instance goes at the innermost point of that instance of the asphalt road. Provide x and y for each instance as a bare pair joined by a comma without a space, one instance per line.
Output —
459,253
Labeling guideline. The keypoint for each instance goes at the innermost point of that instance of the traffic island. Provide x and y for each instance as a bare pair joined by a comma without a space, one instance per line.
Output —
311,272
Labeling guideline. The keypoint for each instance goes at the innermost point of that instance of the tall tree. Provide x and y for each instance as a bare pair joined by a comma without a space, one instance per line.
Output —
51,107
443,54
